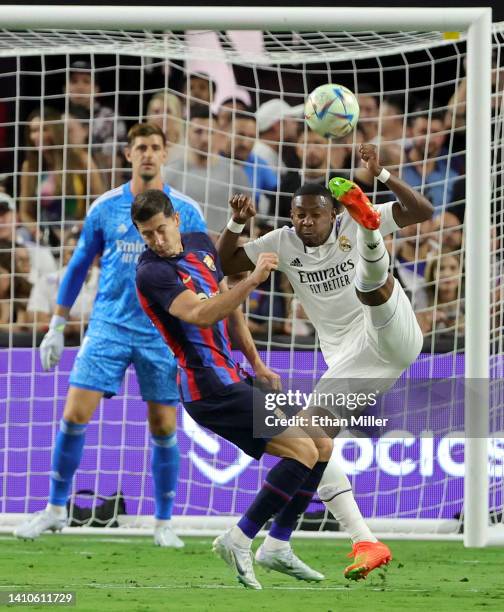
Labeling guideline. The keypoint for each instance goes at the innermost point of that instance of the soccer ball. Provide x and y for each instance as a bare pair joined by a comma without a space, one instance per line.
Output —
332,111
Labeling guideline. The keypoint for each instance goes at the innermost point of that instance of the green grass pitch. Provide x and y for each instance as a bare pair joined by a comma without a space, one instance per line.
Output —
130,574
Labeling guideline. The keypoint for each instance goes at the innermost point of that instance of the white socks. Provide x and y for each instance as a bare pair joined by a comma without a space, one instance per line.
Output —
161,523
57,511
239,538
273,544
336,493
372,267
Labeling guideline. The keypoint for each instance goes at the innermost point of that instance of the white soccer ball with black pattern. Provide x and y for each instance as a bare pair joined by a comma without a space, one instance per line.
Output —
332,111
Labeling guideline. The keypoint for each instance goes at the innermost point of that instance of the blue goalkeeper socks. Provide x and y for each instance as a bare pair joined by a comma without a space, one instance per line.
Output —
165,469
66,457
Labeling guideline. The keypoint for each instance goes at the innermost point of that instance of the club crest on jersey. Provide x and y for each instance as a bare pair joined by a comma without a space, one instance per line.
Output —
209,262
344,243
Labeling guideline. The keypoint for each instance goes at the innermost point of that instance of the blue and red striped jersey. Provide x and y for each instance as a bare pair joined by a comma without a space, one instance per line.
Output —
203,354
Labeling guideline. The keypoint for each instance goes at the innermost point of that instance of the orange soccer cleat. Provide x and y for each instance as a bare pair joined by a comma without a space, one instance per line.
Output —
367,557
355,201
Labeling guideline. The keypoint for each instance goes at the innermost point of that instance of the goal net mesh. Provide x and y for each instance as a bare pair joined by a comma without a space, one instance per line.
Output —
66,101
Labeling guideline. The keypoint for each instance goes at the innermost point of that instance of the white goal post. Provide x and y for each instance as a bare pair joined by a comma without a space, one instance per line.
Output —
476,22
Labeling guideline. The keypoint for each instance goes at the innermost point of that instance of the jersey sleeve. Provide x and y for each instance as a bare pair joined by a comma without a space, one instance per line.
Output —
387,224
159,284
90,244
269,243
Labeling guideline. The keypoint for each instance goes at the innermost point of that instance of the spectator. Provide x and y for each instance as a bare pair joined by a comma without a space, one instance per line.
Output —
14,286
414,247
394,127
42,300
448,229
41,257
277,128
108,132
445,301
61,186
165,110
225,121
199,88
369,109
203,174
314,156
259,175
426,160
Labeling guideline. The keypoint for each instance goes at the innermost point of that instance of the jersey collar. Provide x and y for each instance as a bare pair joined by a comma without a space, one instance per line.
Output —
129,195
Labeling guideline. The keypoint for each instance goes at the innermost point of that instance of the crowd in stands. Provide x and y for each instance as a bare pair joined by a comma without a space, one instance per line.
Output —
68,159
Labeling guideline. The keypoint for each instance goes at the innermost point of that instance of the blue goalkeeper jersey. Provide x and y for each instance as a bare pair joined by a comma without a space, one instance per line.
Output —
109,231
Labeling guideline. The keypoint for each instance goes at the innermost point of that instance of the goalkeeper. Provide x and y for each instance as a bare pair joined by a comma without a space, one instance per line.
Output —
119,334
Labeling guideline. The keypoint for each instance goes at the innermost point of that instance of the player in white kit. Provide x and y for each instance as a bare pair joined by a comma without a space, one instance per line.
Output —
338,267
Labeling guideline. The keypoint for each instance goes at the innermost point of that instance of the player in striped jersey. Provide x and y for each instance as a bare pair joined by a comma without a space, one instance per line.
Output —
119,334
182,289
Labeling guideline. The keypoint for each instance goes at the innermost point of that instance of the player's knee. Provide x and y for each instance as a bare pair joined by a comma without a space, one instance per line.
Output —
162,420
324,448
306,451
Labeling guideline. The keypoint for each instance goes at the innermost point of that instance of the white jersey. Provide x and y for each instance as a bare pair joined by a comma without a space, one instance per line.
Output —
323,277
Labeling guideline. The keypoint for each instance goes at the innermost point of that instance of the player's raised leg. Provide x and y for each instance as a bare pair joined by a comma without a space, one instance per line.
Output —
67,453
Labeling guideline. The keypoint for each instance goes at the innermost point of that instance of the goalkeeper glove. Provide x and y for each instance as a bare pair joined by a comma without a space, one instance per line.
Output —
53,343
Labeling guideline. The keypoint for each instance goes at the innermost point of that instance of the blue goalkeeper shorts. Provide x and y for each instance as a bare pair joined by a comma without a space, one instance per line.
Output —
102,361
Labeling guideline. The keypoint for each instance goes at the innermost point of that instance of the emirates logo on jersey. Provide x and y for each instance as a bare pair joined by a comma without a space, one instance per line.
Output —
209,262
344,244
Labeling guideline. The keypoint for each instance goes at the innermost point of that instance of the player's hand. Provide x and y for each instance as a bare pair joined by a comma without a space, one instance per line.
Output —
243,208
369,156
51,347
266,263
267,379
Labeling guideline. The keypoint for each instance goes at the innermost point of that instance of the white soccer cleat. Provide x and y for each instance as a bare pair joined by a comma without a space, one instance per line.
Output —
239,560
286,562
38,523
165,536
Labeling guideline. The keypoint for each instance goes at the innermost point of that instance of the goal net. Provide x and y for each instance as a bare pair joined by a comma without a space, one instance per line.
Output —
68,97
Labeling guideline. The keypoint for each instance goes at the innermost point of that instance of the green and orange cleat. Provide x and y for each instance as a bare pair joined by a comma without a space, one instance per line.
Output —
355,201
367,556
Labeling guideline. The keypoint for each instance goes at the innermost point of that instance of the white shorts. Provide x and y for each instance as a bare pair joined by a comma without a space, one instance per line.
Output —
378,355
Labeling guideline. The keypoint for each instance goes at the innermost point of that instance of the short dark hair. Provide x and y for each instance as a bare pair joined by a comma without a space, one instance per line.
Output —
423,108
315,189
150,203
200,111
144,130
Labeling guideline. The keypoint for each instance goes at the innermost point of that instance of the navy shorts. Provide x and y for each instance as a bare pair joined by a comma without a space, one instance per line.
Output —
229,413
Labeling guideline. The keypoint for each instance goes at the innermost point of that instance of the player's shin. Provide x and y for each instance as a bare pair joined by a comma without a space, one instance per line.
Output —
281,484
66,458
285,521
373,263
335,491
165,468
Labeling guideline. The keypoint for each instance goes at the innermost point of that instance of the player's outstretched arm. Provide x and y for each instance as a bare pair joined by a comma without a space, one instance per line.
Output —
412,207
233,258
243,341
89,245
205,313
